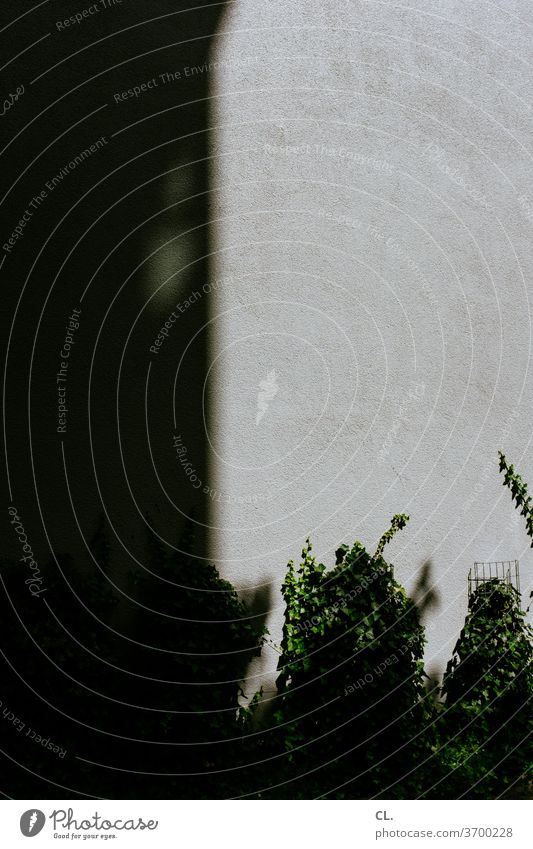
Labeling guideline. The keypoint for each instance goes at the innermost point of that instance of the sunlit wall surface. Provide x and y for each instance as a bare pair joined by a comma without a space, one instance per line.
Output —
372,208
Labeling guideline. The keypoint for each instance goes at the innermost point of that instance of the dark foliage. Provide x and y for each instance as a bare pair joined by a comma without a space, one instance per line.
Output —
137,685
142,698
486,728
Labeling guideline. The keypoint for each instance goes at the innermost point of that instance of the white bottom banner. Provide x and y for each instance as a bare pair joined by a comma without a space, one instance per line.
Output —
268,825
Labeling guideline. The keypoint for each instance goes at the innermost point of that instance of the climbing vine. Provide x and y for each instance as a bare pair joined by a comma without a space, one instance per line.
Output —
519,492
488,687
398,522
351,680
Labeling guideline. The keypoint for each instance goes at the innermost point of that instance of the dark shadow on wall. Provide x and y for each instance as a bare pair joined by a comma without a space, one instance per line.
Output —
425,594
427,598
131,247
106,304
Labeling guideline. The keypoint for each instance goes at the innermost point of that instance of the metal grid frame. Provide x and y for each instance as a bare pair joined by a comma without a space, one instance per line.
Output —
506,571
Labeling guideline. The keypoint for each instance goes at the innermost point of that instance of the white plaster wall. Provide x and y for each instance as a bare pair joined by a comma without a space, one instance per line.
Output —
390,298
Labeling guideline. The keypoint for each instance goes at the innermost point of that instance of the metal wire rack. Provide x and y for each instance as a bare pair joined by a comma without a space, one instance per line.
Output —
506,571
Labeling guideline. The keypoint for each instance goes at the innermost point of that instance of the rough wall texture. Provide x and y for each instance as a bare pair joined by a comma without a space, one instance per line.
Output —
371,323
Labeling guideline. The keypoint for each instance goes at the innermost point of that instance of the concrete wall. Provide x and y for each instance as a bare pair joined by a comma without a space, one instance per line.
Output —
371,323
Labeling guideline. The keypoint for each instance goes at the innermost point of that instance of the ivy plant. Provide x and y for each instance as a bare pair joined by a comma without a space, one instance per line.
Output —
519,493
398,522
351,681
486,727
